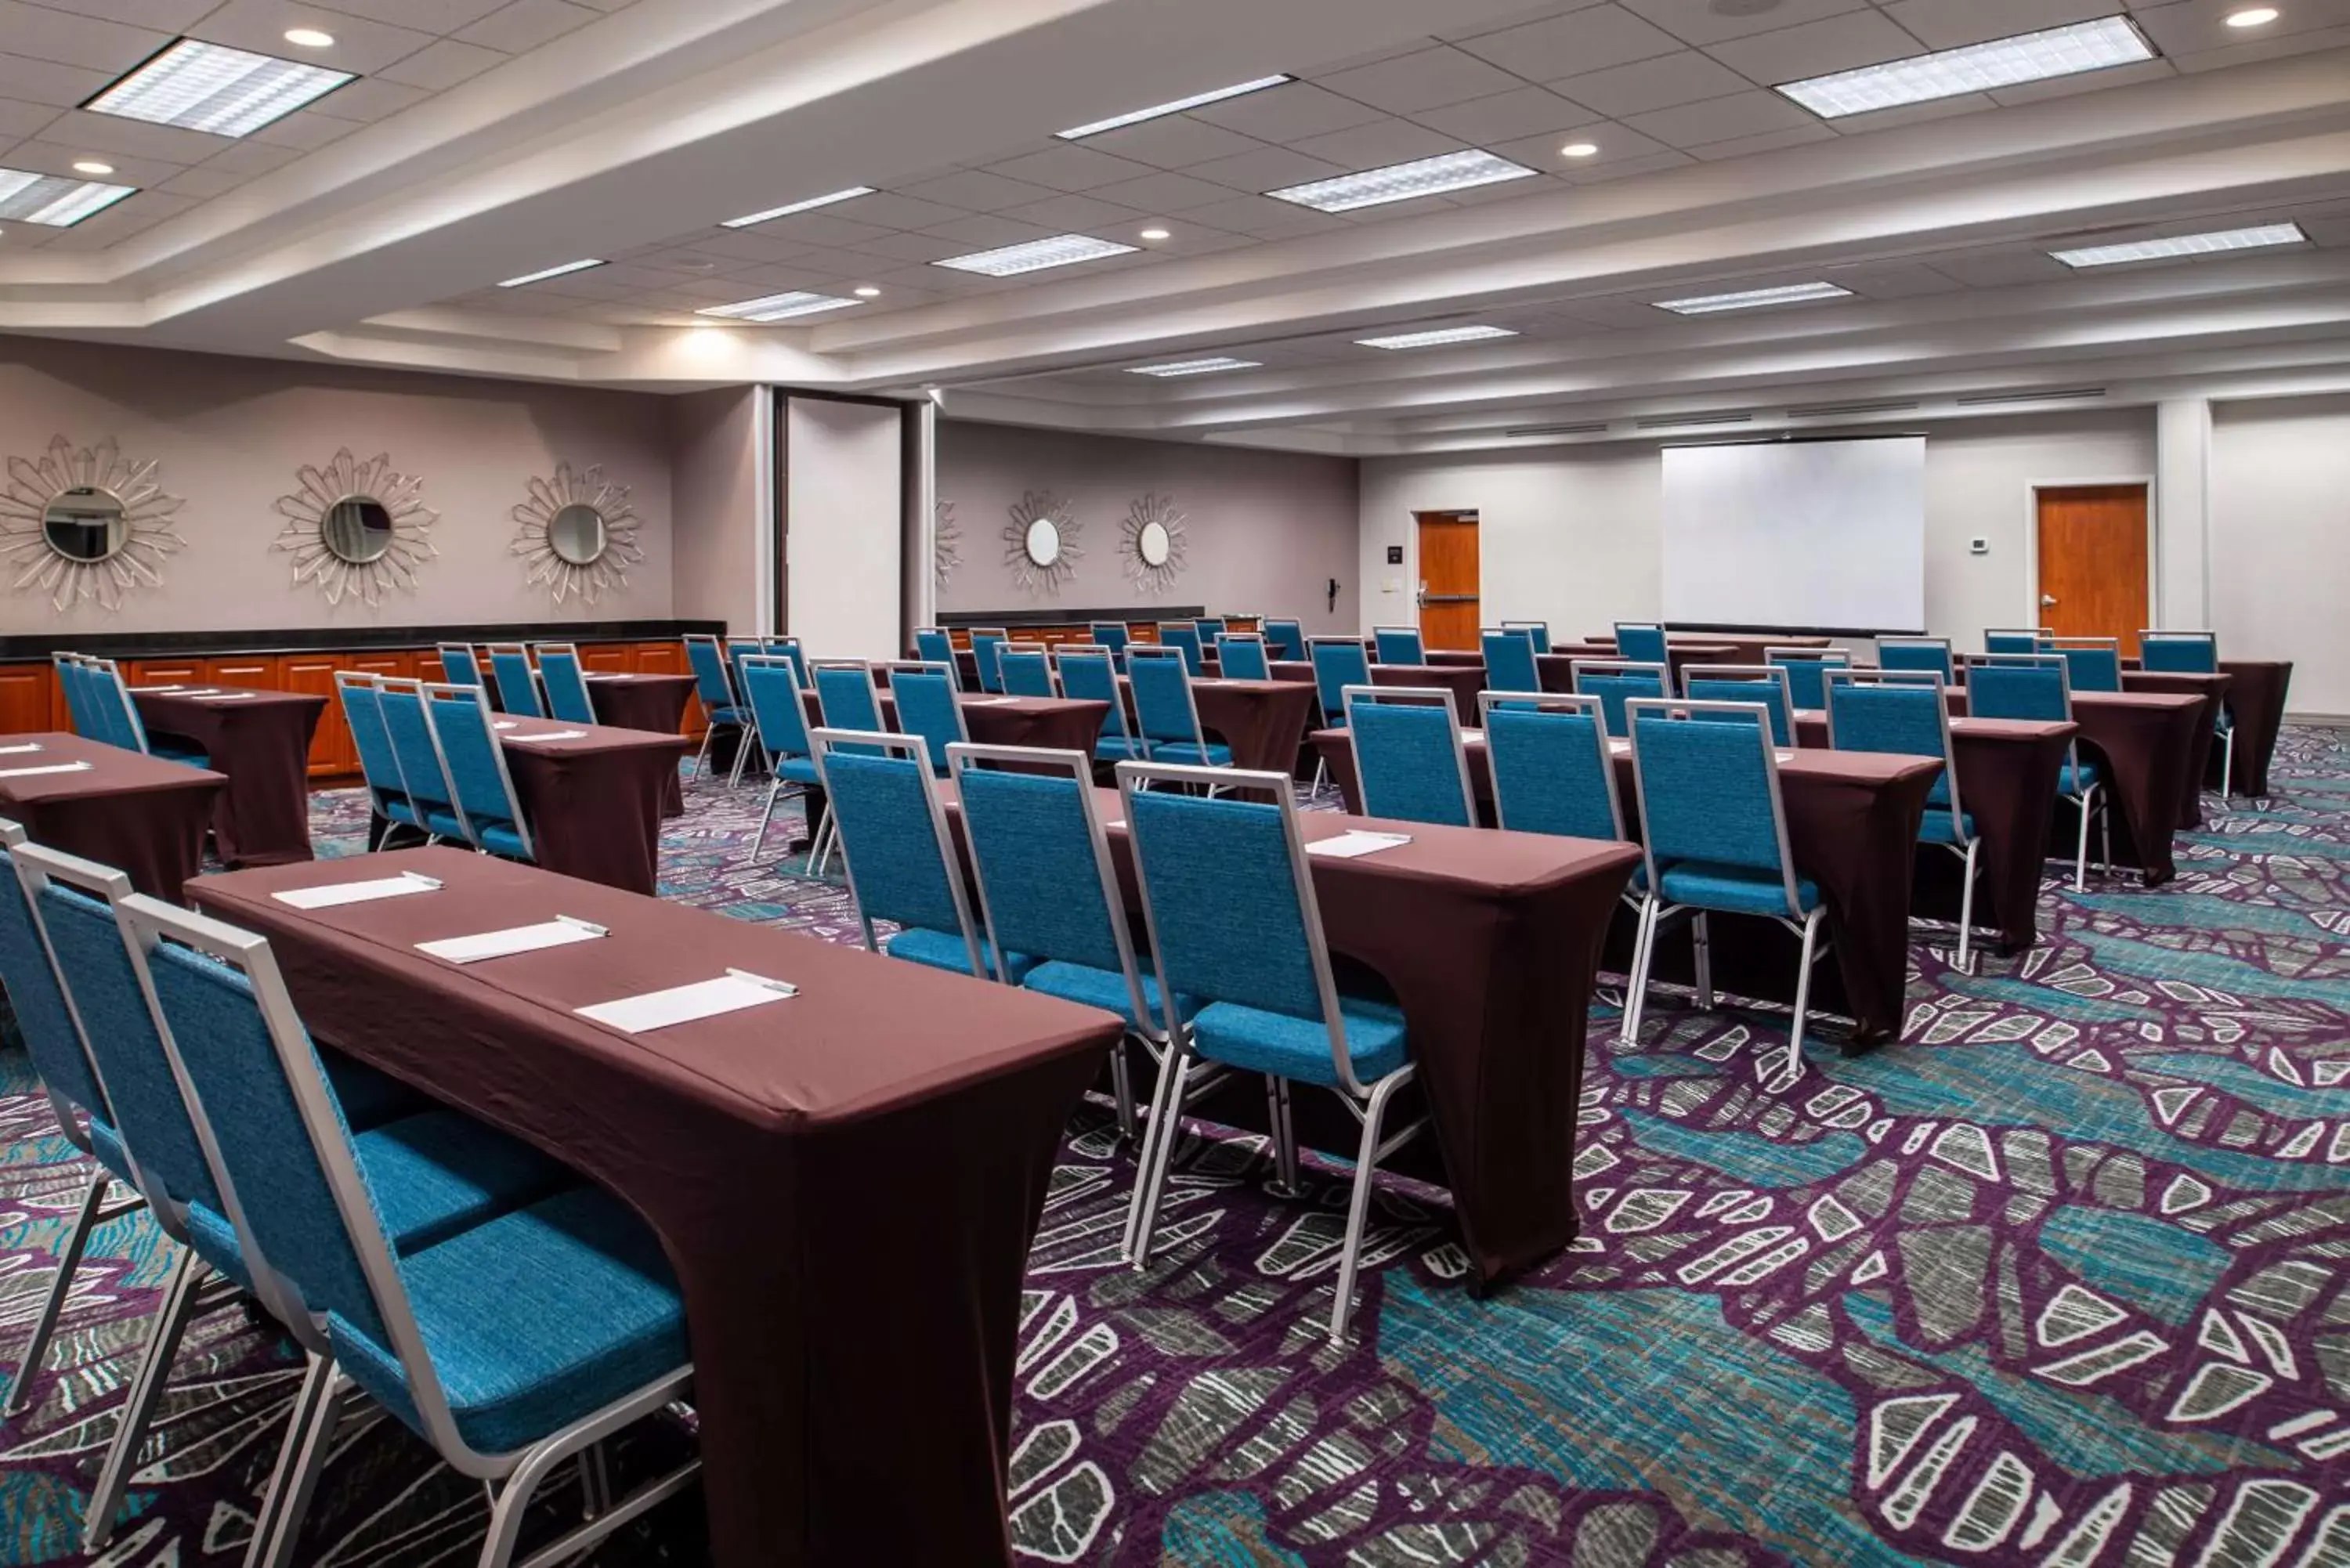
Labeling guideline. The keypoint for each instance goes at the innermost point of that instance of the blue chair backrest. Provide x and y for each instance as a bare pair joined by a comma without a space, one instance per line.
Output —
984,646
1089,675
1641,642
2013,640
476,762
1773,696
2180,652
1185,639
363,713
899,869
1209,628
772,689
2035,690
1407,758
112,711
1162,697
1114,635
789,647
1338,662
932,646
1025,673
1397,645
420,767
1033,850
1538,629
711,681
1243,658
1510,663
1706,791
458,665
2097,668
1615,686
76,693
1222,891
845,692
43,1015
1808,674
565,681
1553,771
928,706
1887,716
518,683
1918,654
1286,638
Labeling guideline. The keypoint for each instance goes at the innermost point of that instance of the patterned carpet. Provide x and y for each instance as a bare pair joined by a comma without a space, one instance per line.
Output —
2061,1279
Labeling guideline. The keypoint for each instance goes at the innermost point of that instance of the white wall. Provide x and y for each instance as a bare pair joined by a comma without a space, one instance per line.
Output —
2280,546
715,481
844,497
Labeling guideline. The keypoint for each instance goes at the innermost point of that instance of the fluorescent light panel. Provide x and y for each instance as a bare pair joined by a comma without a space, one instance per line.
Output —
777,307
810,205
1195,367
1436,338
1402,182
1752,298
2184,245
1978,67
1196,101
198,85
563,271
1034,256
55,200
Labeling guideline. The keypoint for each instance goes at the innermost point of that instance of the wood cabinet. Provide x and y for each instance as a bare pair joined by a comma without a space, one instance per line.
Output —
332,752
165,672
608,658
27,696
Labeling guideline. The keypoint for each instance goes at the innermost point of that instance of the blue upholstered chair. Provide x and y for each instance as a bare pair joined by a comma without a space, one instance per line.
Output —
1338,662
1026,669
517,680
1397,645
379,765
847,696
1510,663
1616,682
68,669
2036,687
900,859
1184,637
1870,713
1642,642
789,647
1235,923
422,769
928,706
2091,663
1285,638
1166,718
2194,653
933,646
1915,654
563,681
1554,771
1209,628
1243,656
1743,684
1538,629
1408,755
984,643
467,739
1112,636
771,684
1714,839
713,682
1807,670
460,665
516,1323
116,716
96,715
1090,674
2016,639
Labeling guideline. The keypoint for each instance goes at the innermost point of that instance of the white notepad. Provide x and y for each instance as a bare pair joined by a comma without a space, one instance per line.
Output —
20,751
222,696
1618,748
553,735
174,687
1467,736
730,993
560,932
358,892
505,724
986,701
52,768
1354,844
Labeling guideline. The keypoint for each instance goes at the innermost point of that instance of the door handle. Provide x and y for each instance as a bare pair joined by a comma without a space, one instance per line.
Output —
2047,601
1448,598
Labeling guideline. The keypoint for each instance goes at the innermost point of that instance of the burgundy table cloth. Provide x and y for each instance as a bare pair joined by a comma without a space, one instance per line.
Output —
2213,690
261,742
2257,703
1463,681
595,802
847,1182
139,813
655,702
1721,647
1852,824
1061,723
1490,942
1263,722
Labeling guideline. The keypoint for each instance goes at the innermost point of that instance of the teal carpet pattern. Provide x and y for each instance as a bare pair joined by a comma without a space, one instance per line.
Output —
2062,1278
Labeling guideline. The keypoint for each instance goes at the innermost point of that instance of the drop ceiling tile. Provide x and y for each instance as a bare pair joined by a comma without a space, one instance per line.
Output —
1068,167
2190,26
747,283
990,232
1290,112
2246,53
201,183
1574,43
1263,218
18,117
1768,141
38,33
1174,141
105,133
164,16
1269,168
360,45
1605,169
1890,280
128,217
367,100
1428,79
432,16
1815,48
1703,22
1952,23
2092,81
749,246
913,247
1619,312
1523,111
44,81
889,210
1720,119
1998,268
976,190
1072,214
304,129
527,24
1367,58
250,158
1616,144
2332,233
1165,192
438,67
39,156
819,228
1378,145
1518,19
684,261
1664,82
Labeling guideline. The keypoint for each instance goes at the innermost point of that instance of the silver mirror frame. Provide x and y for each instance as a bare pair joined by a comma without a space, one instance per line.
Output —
1058,566
1155,519
311,511
34,485
535,537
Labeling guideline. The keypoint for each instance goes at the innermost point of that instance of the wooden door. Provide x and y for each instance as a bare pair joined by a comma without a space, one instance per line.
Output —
332,750
24,698
1448,584
2093,562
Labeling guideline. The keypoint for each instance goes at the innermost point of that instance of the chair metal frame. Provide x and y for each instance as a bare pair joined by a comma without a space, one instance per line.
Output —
119,692
1041,650
1114,724
922,667
757,736
824,742
473,658
1182,639
1825,658
1767,674
1379,654
1552,703
1410,696
2038,634
1533,656
430,692
1950,672
1539,629
953,665
344,680
505,698
982,660
1577,669
1969,849
2094,800
1369,1105
710,721
406,684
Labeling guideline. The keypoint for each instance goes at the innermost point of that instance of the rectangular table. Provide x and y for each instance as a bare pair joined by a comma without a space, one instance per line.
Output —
595,802
2214,689
1852,825
2257,702
1263,722
1462,681
261,742
1061,724
1723,647
139,813
655,702
847,1182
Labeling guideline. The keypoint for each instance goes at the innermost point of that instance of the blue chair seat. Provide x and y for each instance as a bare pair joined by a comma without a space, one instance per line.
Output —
1105,989
500,839
106,1143
445,822
194,756
2225,722
534,1320
944,950
2077,778
1941,794
800,771
1256,1041
1210,755
215,1242
1734,889
1937,827
1118,749
729,713
441,1173
401,812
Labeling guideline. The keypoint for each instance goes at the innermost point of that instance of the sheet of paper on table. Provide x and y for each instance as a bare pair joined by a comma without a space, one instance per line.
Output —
364,892
20,751
554,736
51,768
560,932
730,993
223,696
1355,845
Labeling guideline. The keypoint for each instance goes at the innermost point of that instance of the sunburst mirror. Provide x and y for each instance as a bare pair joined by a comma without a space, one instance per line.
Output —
1040,543
357,528
1156,544
946,543
579,531
83,523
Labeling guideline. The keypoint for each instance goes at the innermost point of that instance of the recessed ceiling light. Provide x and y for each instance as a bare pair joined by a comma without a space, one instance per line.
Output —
1196,100
1749,299
1156,235
866,291
810,205
777,307
2252,16
1195,367
1978,67
310,39
210,87
1034,256
1402,182
53,201
2184,245
92,166
1579,149
1436,337
567,268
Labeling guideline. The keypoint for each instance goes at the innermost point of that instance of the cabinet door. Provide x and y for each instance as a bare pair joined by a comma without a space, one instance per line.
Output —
256,670
164,672
25,697
608,658
394,663
331,751
428,666
661,658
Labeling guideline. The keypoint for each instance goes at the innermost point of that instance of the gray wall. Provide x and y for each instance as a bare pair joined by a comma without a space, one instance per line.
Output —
1266,530
2279,549
714,441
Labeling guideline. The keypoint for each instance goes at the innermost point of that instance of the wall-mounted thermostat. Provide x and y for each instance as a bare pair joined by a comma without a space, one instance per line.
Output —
1978,547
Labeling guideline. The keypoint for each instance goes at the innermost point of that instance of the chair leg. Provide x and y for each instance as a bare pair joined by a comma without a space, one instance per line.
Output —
1285,1136
2106,833
1171,1074
766,813
2080,856
741,755
1155,1118
1367,1161
1967,908
1804,988
130,1430
1702,935
1121,1084
703,756
1635,997
93,1199
285,1501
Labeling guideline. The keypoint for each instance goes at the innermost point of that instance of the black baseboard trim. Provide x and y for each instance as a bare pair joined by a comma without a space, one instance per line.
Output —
1008,619
340,640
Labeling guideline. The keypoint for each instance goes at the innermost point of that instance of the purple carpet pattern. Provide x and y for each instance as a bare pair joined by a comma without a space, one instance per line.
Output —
2062,1279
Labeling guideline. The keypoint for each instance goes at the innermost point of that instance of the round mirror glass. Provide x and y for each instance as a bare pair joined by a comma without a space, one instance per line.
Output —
1043,542
358,529
1153,545
84,524
576,534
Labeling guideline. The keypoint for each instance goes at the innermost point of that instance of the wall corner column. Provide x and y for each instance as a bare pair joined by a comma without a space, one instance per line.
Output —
2183,514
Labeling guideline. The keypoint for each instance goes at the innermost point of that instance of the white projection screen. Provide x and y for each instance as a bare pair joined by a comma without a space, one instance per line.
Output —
1820,535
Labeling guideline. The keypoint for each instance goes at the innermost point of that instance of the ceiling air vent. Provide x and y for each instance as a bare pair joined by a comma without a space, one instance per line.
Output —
1600,427
1847,410
2054,395
1683,421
